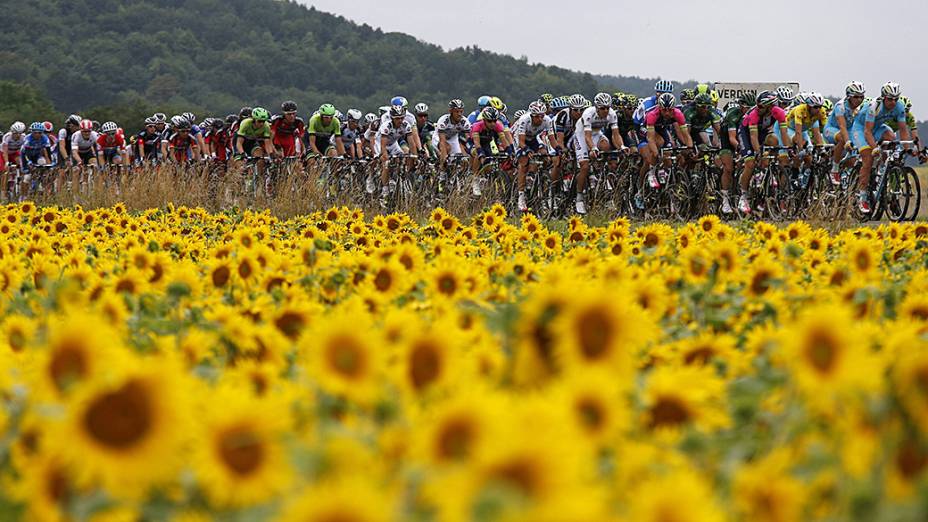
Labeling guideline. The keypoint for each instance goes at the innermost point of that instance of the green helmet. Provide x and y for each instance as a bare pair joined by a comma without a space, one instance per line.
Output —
260,114
747,99
547,97
631,100
703,88
828,105
703,100
906,102
327,109
687,95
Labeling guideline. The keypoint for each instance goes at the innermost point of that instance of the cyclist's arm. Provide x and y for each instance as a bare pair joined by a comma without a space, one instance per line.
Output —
799,136
868,134
239,144
683,134
617,138
755,139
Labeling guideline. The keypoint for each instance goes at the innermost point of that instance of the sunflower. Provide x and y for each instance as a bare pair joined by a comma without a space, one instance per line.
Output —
595,403
46,487
535,359
826,356
763,275
675,398
354,499
387,279
17,332
240,460
910,379
601,327
219,273
765,490
429,360
343,357
125,431
680,495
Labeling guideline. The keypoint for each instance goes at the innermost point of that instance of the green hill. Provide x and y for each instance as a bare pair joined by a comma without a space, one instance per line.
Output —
219,55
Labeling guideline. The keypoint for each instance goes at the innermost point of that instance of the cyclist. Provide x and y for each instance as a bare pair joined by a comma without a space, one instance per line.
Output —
148,142
181,144
840,119
253,137
369,138
218,141
646,104
658,124
591,140
450,129
52,148
532,134
687,96
111,146
870,127
701,118
909,120
728,136
489,137
391,134
351,134
323,125
287,130
569,110
482,103
195,130
71,125
757,124
424,127
34,150
805,116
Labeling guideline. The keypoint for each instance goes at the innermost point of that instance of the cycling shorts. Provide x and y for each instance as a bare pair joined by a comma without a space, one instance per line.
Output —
744,140
582,151
859,139
830,133
454,144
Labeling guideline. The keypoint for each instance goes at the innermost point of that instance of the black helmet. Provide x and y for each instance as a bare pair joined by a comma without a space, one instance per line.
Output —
73,119
245,112
217,124
490,114
231,118
288,106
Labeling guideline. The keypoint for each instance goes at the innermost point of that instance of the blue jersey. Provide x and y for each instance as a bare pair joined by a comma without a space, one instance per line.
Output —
195,130
842,109
33,145
643,107
878,114
472,118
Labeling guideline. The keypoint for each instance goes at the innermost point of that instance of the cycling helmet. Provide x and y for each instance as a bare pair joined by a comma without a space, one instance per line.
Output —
906,102
421,108
149,121
47,125
260,114
663,86
814,99
384,109
354,115
179,121
666,101
631,100
518,114
504,109
747,99
703,100
687,95
483,101
288,106
399,100
828,105
490,114
339,116
618,101
397,111
37,126
217,124
205,124
109,128
86,125
370,118
558,103
767,99
96,125
231,119
245,112
890,90
577,101
714,94
784,95
160,117
731,104
73,119
546,97
603,99
18,127
537,108
855,88
327,109
455,104
190,117
496,103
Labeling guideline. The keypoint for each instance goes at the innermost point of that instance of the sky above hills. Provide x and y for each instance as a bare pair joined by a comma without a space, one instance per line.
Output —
821,44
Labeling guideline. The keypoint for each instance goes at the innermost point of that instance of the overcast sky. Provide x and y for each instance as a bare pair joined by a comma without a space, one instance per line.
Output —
821,44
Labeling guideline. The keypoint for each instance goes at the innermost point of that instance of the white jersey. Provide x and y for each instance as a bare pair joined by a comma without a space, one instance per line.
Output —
452,130
524,126
82,145
590,120
394,134
14,145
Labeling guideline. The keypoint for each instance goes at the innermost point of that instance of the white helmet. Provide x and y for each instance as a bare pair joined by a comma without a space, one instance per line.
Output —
891,90
370,118
421,108
785,94
109,127
577,101
814,99
383,109
18,127
354,115
518,114
603,99
536,108
855,88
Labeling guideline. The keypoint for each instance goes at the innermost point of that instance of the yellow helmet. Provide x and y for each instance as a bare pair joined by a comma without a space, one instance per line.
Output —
496,103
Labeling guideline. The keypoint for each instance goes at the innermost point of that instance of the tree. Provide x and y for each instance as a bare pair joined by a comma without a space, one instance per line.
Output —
23,102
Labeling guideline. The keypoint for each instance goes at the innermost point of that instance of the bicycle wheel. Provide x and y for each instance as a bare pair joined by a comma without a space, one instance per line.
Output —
679,195
915,199
896,195
774,202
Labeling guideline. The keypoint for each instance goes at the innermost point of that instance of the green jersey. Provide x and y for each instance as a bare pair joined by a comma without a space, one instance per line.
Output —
909,121
248,130
315,127
700,122
732,118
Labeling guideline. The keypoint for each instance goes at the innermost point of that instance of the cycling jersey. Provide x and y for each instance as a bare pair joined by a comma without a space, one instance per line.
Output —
452,130
477,115
84,145
108,143
286,133
13,146
565,124
843,108
181,144
701,121
801,114
425,131
350,136
395,133
654,119
65,136
220,143
524,127
151,142
876,113
732,118
487,132
590,120
32,147
644,106
775,115
318,129
248,130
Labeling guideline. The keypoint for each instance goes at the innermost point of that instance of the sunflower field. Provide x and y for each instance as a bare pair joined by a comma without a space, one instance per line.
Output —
176,365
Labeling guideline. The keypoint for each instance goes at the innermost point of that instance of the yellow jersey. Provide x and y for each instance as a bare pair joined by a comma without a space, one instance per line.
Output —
802,115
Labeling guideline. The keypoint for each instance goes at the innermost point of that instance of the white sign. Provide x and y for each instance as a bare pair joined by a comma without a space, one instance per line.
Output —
732,90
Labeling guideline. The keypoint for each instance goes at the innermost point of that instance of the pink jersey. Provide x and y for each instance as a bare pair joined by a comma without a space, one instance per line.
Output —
654,118
485,130
754,119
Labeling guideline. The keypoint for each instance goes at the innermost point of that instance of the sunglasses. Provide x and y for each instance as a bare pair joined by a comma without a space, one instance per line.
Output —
888,98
